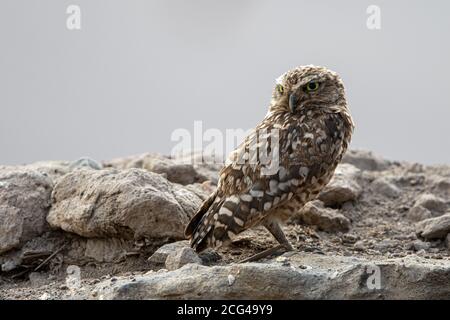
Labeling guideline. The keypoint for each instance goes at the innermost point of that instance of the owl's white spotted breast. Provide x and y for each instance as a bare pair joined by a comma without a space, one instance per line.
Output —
310,147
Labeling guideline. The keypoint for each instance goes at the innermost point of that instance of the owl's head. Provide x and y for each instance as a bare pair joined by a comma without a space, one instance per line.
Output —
308,87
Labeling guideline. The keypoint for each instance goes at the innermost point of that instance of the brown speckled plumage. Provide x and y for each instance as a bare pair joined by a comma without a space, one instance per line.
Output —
310,130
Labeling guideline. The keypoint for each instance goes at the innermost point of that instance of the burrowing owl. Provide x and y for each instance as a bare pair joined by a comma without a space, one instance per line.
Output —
301,139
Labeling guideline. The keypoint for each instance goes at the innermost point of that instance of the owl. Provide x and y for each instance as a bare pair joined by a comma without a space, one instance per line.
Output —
282,164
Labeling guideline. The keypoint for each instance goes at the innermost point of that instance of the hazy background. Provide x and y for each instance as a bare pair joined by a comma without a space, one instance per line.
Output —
137,70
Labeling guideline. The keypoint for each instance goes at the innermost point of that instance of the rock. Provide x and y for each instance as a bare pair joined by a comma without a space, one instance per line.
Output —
48,242
442,184
24,204
414,167
359,245
418,245
342,187
37,279
175,171
447,241
434,228
419,213
11,223
350,238
159,256
330,220
207,165
10,265
86,162
386,245
178,258
106,250
45,296
209,256
178,173
385,187
202,190
308,276
436,205
347,206
409,179
365,160
53,169
231,279
128,204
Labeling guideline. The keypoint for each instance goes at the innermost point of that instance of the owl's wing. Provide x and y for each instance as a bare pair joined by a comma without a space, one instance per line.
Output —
248,190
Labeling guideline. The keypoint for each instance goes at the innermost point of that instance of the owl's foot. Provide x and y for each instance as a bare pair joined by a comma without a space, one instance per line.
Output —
279,249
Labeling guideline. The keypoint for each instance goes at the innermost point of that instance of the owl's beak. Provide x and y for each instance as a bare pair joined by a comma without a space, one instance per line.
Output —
293,100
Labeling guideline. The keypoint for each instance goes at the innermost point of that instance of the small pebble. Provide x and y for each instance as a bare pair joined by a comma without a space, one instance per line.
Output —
44,296
231,279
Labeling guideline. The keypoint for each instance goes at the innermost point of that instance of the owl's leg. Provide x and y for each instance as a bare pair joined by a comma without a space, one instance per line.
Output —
264,254
274,228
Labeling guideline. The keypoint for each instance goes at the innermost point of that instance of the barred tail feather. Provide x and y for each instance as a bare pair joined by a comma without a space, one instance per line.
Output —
192,225
218,226
201,225
201,238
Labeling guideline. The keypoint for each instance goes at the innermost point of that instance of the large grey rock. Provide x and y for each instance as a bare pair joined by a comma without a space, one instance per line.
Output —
314,213
434,228
24,204
433,203
365,160
130,203
343,186
172,169
300,276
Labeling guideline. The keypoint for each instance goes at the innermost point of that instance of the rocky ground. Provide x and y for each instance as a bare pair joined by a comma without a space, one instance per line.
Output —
114,230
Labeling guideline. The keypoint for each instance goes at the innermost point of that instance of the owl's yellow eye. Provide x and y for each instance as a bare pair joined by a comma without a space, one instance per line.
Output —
312,86
280,88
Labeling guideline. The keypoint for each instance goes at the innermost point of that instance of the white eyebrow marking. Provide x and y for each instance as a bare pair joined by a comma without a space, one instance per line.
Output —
279,80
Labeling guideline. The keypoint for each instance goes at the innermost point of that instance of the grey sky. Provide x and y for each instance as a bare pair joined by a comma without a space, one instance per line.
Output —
137,70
